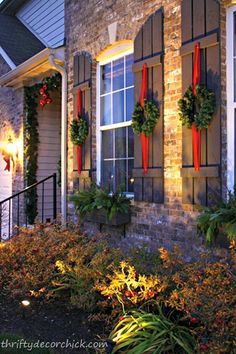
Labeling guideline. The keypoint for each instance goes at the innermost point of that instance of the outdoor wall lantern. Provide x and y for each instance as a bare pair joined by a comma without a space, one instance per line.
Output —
10,153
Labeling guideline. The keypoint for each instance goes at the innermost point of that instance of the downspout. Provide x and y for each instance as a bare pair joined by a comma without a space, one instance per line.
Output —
63,73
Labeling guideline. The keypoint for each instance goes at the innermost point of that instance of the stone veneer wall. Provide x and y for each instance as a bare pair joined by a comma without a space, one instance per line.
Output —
87,30
11,120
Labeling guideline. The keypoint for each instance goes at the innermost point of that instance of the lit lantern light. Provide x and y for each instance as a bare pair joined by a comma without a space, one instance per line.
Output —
10,153
131,180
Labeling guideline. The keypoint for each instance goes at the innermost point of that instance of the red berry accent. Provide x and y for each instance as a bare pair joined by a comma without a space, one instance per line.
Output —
203,347
128,293
42,103
194,320
45,96
151,294
45,87
41,91
48,100
121,318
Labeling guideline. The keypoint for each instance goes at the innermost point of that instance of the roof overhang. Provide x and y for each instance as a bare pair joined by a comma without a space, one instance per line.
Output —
33,69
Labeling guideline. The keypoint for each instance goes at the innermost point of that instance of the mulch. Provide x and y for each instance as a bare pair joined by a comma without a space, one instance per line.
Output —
52,322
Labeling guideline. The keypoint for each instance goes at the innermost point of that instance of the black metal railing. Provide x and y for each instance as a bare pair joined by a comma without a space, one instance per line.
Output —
6,208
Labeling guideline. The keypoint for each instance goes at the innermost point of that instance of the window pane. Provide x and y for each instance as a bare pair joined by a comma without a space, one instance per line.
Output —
106,78
107,144
118,107
129,72
107,175
129,103
130,142
130,178
106,110
120,169
120,141
118,74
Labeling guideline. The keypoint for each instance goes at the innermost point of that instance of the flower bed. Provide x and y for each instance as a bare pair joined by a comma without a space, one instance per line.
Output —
49,264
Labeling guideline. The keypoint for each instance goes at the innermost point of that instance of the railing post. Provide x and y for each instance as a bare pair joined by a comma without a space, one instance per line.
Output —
54,196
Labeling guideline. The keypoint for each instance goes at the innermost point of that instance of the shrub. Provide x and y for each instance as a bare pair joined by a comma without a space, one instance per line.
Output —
30,265
221,217
201,293
141,332
86,265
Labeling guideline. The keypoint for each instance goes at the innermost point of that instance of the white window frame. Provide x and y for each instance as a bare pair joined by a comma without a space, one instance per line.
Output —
99,129
231,105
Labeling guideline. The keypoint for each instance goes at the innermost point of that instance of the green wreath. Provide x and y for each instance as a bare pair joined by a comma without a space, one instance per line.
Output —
79,131
145,118
197,109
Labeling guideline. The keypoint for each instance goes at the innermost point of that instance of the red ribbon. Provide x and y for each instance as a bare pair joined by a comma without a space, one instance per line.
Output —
144,138
78,147
7,159
196,133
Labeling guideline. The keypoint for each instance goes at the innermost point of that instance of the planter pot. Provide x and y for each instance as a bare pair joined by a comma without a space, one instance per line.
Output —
100,217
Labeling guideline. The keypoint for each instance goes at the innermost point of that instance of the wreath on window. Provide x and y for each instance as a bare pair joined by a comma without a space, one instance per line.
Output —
197,109
144,118
79,131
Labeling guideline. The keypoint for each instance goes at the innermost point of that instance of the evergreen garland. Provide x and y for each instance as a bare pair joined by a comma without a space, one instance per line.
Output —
32,140
144,119
79,131
199,109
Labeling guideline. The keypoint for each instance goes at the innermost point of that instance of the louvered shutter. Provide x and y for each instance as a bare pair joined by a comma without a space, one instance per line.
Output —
200,23
148,48
82,81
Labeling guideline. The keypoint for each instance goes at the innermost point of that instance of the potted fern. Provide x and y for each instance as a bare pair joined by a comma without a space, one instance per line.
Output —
218,223
98,205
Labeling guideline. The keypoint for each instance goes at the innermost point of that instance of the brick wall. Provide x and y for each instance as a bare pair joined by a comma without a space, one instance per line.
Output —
87,30
11,124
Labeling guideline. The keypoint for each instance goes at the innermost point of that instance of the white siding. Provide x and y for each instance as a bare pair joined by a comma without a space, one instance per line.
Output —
45,18
49,153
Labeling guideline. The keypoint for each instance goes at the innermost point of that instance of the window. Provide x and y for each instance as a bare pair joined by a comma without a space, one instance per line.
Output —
231,96
115,135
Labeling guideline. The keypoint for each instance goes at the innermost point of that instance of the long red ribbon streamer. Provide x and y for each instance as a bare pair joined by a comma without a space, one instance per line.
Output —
196,134
79,147
144,138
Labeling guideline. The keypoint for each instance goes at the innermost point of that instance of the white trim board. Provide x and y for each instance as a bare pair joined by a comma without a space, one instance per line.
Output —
100,128
7,58
231,105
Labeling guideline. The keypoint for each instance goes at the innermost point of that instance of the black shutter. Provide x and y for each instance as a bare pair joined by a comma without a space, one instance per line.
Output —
148,48
200,23
82,80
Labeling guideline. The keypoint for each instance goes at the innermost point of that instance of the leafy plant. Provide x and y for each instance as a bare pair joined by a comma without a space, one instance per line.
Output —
96,198
77,277
142,332
222,216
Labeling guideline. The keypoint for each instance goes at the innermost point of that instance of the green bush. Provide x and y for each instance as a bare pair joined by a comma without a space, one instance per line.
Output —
220,218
